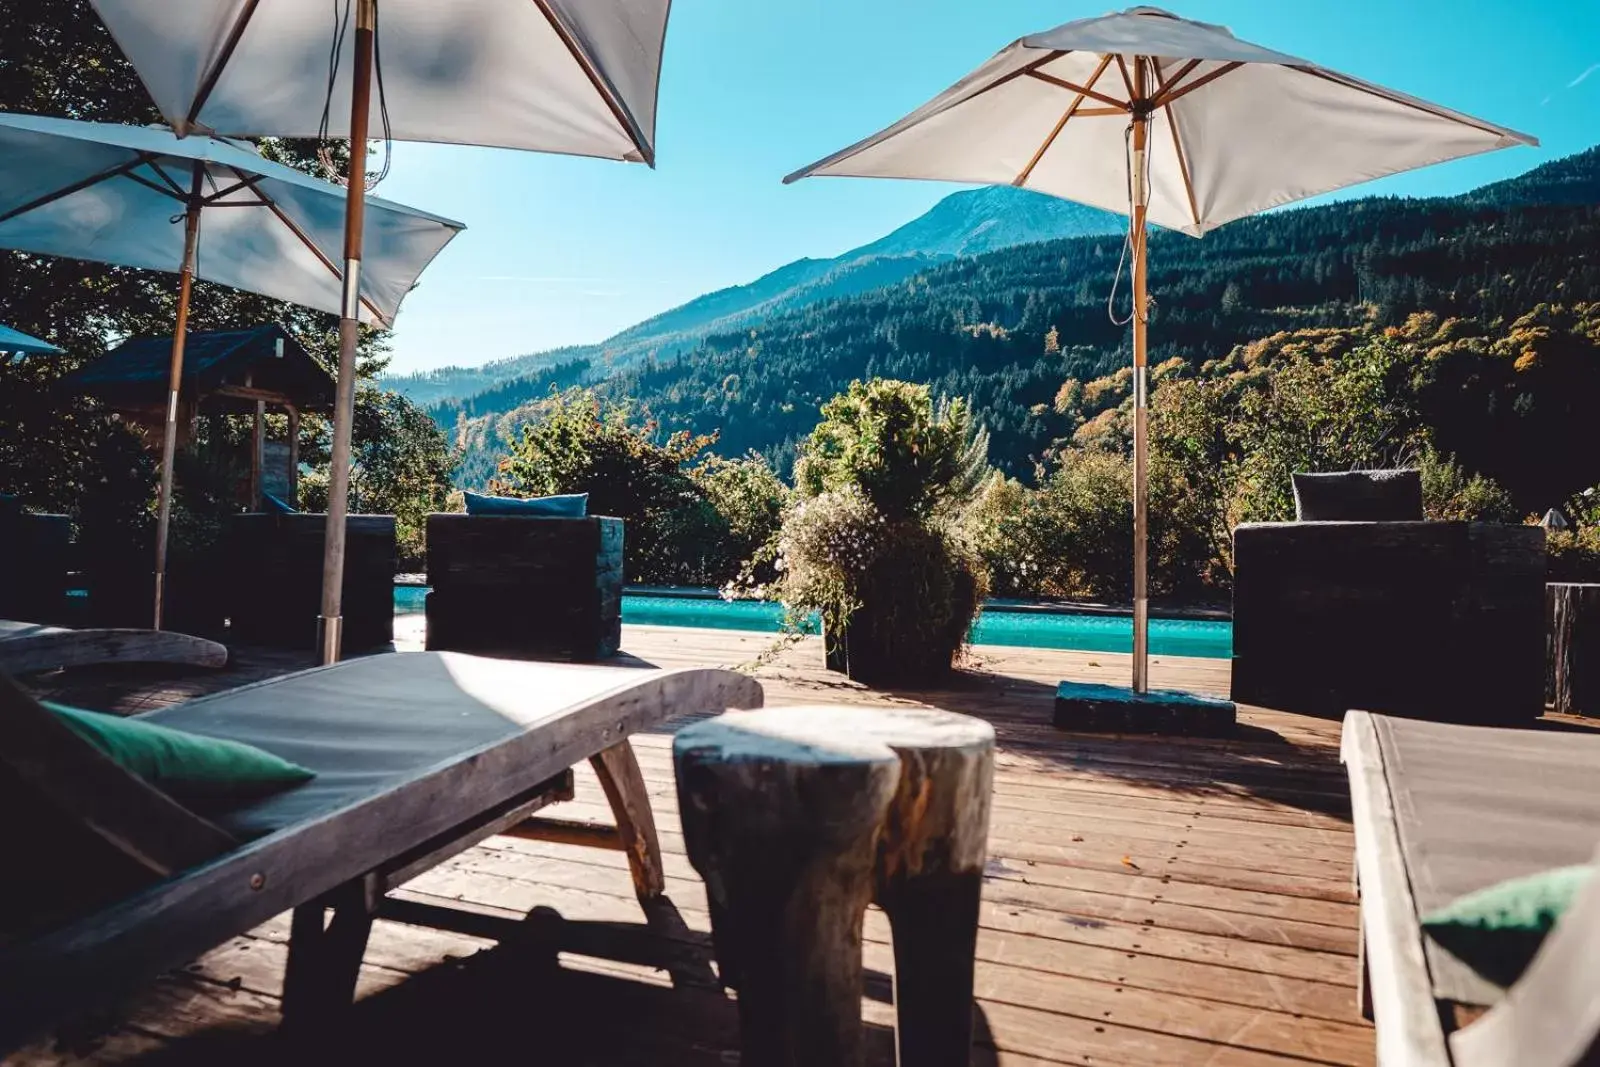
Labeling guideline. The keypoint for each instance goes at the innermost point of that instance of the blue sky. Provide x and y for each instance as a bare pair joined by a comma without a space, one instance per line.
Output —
563,251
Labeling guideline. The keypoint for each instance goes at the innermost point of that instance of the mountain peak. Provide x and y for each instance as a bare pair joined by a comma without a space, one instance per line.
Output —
974,221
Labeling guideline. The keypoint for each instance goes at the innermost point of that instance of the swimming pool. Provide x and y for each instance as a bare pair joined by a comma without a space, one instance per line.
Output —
996,626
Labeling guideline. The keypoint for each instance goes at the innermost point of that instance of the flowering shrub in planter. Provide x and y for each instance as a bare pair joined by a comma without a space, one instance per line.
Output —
872,545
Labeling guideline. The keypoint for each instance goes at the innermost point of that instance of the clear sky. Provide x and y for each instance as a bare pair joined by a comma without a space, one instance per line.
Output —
564,251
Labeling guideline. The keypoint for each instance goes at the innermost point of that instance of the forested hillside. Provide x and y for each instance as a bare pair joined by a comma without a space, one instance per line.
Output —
967,223
1006,329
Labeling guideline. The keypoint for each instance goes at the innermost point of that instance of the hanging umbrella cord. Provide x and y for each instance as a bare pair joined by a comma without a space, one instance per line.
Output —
341,30
383,100
1127,238
341,25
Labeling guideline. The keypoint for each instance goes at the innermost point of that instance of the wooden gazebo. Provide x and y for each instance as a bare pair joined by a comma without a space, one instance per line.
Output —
226,372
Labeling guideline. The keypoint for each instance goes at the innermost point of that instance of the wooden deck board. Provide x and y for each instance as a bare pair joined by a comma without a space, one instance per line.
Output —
1149,900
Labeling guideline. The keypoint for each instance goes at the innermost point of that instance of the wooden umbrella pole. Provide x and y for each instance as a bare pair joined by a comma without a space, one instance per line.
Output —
169,438
1141,393
330,622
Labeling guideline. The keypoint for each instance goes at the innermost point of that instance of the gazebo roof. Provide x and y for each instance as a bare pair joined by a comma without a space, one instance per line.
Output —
222,370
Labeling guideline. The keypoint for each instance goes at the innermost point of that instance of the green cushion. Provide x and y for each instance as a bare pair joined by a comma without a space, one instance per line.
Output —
1496,931
181,764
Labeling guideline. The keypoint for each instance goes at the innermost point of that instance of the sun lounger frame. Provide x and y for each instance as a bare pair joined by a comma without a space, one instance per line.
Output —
27,647
1549,1018
346,859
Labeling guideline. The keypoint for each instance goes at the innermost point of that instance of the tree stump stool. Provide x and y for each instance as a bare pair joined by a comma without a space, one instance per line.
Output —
796,818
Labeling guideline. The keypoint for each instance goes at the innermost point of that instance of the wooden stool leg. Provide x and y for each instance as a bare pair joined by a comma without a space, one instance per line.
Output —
935,925
623,782
930,877
783,827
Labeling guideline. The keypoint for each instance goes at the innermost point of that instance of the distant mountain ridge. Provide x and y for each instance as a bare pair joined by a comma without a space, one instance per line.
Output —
966,223
1016,329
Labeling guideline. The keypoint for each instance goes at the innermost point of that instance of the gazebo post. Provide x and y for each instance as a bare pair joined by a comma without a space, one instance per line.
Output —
294,455
257,449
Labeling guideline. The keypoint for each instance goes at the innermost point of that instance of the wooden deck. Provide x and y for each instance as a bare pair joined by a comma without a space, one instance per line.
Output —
1149,901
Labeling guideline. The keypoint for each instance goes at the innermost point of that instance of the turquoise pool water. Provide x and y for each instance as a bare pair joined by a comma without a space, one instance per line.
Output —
1089,633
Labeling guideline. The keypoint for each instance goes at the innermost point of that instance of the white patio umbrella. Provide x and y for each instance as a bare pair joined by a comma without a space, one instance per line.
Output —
577,77
203,208
15,342
1171,122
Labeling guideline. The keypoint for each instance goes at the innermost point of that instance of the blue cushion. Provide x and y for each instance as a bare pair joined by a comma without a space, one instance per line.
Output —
570,506
274,506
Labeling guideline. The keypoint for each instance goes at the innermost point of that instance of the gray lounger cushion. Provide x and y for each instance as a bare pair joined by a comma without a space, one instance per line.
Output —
1359,496
378,722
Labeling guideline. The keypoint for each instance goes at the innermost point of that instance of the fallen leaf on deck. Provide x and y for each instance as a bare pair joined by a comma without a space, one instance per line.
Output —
1127,861
1077,837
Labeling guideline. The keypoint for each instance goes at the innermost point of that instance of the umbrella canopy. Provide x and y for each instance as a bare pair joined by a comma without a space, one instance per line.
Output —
570,76
1234,128
120,194
15,341
577,77
1172,122
142,197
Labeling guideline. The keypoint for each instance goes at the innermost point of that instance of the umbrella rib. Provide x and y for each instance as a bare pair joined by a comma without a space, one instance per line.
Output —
77,186
876,138
214,73
1351,83
333,268
1177,141
601,84
243,183
147,183
177,190
1076,88
1066,116
1122,68
1183,72
1165,99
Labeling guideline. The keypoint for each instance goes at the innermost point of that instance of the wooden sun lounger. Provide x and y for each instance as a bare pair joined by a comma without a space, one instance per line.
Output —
28,646
1441,810
418,757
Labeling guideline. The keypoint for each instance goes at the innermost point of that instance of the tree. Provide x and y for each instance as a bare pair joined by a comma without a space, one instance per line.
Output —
580,444
401,466
749,497
57,59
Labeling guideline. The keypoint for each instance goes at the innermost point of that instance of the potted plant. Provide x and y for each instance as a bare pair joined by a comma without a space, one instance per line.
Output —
871,543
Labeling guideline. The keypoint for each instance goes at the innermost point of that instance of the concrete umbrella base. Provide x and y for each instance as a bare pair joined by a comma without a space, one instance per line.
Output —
1108,709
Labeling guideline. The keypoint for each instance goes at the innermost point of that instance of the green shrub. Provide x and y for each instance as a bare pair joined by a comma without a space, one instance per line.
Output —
911,457
401,465
749,498
581,445
1450,492
1574,554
